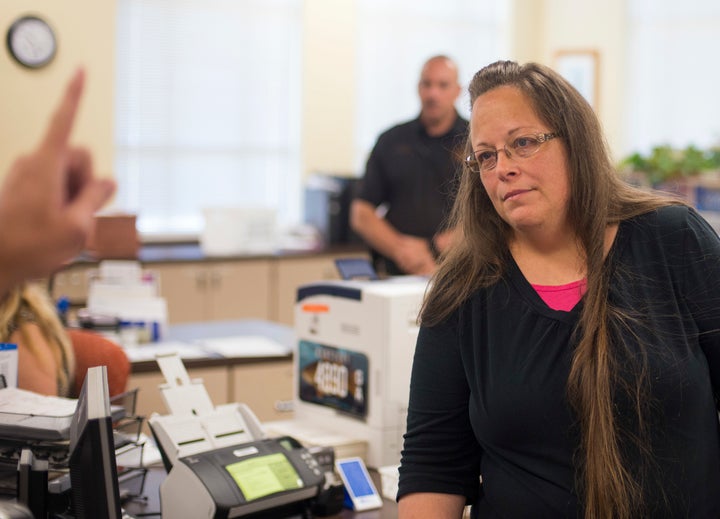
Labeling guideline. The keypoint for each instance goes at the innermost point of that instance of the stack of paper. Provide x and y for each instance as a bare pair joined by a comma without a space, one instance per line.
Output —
245,346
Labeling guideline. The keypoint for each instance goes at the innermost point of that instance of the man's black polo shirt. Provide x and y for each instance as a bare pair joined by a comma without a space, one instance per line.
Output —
415,175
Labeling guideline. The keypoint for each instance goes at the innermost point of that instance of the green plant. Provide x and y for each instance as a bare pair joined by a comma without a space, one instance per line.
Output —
665,163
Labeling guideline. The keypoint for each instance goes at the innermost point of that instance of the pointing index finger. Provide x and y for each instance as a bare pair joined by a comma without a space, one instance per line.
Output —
58,133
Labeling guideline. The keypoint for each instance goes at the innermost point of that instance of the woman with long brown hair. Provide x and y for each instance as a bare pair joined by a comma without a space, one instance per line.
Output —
568,362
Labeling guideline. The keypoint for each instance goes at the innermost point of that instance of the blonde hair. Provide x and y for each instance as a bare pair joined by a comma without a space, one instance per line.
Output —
30,303
598,198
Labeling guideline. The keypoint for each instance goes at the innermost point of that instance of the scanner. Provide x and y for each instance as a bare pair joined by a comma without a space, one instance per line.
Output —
220,463
194,424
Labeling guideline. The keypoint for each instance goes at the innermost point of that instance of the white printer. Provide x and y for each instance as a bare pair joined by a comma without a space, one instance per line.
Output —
355,346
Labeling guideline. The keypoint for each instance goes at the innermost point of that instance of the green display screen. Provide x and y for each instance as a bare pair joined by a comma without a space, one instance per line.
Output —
262,476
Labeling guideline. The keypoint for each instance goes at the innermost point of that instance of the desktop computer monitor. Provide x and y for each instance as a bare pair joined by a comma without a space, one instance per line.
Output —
93,470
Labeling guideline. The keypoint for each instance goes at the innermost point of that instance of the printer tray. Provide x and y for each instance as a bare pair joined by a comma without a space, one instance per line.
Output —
29,416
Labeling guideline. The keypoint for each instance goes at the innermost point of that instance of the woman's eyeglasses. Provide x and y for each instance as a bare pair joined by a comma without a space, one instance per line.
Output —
485,159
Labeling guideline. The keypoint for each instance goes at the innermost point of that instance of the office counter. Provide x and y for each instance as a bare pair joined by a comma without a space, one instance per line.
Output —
198,331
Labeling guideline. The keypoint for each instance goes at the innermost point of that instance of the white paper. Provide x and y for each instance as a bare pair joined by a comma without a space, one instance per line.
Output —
22,402
148,351
245,346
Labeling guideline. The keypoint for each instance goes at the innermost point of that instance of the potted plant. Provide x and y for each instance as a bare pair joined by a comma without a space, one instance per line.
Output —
677,170
665,163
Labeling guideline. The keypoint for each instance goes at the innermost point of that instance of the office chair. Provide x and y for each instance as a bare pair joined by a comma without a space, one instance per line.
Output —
92,349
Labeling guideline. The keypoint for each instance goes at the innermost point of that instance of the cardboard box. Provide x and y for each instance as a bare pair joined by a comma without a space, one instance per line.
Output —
114,237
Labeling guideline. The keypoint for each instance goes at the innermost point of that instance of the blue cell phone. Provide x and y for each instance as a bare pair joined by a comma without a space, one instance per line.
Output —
360,492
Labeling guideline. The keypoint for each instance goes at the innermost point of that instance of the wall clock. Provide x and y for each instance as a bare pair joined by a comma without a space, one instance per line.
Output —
31,42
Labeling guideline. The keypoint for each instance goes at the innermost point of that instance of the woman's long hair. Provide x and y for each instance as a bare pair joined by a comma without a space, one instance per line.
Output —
598,198
29,303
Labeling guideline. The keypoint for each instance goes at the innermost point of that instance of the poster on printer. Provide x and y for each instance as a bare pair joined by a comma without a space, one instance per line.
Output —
333,377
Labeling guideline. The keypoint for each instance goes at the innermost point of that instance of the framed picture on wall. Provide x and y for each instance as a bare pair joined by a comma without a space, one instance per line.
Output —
581,69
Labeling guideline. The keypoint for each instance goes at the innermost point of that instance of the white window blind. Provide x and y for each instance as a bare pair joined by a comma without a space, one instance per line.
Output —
672,75
207,109
397,36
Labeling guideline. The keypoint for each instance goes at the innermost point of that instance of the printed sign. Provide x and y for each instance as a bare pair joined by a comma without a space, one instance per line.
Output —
333,377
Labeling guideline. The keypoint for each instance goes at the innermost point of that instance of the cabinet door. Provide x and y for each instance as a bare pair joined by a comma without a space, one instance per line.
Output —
266,387
239,290
185,287
293,272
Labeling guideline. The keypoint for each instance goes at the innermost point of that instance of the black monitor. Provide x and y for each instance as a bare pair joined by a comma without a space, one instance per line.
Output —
356,268
93,470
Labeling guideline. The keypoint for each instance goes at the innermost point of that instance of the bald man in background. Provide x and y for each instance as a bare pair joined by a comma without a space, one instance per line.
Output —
411,174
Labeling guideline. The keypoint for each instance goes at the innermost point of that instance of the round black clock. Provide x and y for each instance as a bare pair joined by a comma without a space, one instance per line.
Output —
31,42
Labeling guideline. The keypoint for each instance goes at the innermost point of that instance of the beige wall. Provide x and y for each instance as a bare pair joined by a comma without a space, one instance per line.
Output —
544,28
598,26
528,30
328,85
86,34
85,31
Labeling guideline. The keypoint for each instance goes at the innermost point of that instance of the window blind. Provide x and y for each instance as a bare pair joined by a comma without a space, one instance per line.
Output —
208,100
672,78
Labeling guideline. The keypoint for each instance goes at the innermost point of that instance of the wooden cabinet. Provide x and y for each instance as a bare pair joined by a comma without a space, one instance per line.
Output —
291,272
211,291
264,386
241,288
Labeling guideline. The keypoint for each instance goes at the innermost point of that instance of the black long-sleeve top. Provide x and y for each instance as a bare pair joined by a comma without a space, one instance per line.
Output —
488,390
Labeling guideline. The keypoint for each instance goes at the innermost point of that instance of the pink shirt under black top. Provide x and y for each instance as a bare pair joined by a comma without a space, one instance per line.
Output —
562,297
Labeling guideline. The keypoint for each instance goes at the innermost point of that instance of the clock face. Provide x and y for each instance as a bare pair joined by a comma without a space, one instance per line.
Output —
31,41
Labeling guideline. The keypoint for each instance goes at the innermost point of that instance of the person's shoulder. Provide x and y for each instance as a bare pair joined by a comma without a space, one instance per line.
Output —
666,215
461,124
459,130
400,130
671,216
671,219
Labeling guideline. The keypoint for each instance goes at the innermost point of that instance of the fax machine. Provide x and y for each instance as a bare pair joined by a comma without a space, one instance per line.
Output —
269,475
220,462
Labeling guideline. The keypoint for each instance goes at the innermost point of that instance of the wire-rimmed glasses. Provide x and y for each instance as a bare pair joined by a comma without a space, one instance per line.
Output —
524,146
